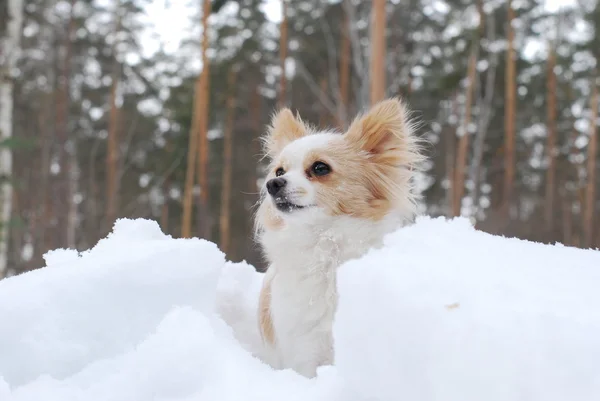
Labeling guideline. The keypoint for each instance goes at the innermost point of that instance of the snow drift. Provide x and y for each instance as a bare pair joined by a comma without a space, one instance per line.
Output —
441,312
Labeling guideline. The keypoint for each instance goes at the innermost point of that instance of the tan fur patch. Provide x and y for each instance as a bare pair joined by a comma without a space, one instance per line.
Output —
264,307
370,164
381,130
284,129
346,190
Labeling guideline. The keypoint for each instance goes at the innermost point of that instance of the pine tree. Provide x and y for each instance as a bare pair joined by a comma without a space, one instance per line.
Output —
10,35
509,114
378,52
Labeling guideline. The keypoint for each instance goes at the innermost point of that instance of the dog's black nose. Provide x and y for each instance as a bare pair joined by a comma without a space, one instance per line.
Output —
275,185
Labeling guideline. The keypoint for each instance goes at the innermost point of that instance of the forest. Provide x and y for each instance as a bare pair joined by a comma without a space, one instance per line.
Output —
97,125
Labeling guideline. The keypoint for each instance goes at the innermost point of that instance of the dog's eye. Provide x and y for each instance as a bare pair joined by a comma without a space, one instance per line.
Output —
279,172
320,169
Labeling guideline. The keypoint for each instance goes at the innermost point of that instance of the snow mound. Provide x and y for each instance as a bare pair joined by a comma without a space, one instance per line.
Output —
441,312
450,313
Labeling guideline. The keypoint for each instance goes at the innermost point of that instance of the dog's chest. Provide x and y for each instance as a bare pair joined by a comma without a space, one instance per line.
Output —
304,265
303,308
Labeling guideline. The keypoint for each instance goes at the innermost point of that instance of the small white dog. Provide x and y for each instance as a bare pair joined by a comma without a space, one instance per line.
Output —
329,197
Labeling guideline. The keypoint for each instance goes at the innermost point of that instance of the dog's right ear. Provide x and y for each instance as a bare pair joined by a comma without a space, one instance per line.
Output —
284,129
382,129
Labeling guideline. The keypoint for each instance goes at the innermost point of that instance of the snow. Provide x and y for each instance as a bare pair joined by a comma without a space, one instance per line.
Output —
442,312
450,313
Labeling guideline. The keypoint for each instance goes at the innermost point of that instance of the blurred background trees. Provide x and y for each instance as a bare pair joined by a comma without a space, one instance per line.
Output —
111,121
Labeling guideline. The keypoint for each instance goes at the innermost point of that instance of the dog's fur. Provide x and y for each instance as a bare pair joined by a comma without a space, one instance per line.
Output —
319,221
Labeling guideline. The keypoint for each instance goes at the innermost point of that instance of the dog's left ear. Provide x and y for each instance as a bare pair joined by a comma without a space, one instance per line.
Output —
384,129
284,128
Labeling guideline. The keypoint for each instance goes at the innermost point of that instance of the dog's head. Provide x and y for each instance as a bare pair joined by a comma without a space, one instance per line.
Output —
364,173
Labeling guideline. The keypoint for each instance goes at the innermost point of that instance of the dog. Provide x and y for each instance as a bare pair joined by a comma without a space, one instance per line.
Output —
328,197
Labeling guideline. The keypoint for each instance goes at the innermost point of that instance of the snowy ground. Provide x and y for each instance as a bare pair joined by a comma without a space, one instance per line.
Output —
442,312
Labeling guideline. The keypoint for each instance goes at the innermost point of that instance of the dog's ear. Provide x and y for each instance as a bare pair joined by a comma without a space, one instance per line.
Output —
383,130
284,128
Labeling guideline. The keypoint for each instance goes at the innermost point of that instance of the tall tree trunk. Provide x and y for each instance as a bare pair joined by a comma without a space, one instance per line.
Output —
225,215
9,49
62,197
598,233
590,190
39,220
463,142
450,152
509,115
112,153
485,106
283,48
164,214
72,172
323,113
569,172
344,72
204,220
73,187
164,210
48,134
567,215
112,156
194,137
255,111
378,54
188,192
551,141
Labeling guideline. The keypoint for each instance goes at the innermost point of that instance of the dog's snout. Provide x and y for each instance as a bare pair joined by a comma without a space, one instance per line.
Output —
276,185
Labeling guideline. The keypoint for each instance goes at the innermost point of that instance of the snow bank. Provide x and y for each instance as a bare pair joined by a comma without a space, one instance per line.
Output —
450,313
442,312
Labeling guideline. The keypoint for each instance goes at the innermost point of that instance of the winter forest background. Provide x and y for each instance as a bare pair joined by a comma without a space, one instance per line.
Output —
126,108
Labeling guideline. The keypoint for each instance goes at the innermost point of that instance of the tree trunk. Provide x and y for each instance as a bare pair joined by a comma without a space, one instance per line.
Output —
509,116
112,153
196,144
225,215
485,106
204,225
39,220
204,220
567,213
188,192
323,117
590,190
344,73
283,48
463,142
62,198
9,49
255,111
112,157
73,186
378,54
164,214
450,159
551,141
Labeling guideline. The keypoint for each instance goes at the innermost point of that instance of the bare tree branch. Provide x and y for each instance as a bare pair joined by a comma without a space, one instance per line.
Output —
316,88
358,57
334,81
486,111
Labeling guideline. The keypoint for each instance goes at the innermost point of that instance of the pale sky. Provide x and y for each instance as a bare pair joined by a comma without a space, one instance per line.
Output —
171,21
